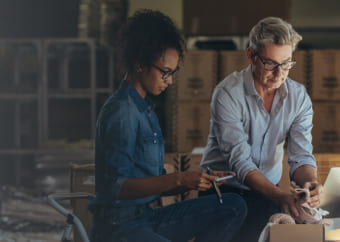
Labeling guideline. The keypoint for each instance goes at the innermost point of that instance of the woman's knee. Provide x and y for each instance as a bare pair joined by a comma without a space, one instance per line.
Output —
236,202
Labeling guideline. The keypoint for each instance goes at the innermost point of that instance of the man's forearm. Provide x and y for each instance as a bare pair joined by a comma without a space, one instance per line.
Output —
305,173
258,182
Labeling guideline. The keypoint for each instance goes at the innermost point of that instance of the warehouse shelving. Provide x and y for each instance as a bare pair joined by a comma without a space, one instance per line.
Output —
20,96
51,91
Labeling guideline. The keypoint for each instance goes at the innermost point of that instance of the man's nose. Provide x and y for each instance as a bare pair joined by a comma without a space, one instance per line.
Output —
278,70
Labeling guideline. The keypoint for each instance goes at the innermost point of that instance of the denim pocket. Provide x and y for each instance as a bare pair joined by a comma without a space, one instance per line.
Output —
153,148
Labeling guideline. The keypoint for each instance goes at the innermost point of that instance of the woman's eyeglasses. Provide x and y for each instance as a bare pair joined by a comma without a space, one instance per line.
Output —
166,74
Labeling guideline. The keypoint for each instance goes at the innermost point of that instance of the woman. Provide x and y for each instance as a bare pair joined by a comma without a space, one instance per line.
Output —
130,151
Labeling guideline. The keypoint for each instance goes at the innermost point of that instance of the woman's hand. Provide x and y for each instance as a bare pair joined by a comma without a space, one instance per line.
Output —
196,180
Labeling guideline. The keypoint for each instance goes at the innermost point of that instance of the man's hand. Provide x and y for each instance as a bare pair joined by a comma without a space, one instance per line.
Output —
306,177
286,201
222,174
316,191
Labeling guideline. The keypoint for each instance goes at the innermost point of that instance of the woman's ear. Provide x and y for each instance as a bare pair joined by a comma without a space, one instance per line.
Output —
139,68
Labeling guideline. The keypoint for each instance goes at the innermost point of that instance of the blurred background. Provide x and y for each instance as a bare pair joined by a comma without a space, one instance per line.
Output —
58,65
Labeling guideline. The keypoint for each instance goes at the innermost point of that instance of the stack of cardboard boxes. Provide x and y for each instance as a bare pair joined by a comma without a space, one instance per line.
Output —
299,72
325,94
232,60
317,70
188,101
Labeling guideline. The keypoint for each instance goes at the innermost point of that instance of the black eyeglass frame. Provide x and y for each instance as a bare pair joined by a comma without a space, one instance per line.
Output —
276,65
165,74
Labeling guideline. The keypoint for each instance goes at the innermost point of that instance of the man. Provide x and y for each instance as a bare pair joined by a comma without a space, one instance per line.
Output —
252,114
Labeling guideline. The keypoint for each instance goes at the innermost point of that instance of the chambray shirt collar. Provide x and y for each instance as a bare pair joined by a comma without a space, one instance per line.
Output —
142,104
250,86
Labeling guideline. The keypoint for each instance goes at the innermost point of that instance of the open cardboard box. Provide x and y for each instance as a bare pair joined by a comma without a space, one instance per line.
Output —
296,233
305,232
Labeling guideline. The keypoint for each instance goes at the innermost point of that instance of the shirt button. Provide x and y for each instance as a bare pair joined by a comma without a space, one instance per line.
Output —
154,134
155,141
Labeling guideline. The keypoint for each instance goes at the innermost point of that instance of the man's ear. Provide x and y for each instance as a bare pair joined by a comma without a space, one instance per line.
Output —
251,55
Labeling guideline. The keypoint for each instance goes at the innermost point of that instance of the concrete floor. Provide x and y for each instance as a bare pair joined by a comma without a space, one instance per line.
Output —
27,217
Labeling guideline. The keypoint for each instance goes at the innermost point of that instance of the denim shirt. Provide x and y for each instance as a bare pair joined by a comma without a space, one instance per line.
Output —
244,136
129,143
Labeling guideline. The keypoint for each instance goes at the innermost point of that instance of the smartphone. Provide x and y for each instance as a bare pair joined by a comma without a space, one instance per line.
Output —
224,178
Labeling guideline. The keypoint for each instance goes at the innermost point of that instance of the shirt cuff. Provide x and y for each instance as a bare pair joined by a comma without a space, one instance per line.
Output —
116,188
294,165
244,169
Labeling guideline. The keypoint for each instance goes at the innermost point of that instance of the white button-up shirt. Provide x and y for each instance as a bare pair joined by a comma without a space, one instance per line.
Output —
244,136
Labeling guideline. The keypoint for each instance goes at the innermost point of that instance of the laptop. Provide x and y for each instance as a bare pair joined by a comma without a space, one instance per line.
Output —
331,198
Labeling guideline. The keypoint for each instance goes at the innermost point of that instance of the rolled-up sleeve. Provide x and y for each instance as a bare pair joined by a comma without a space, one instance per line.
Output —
300,149
118,140
226,118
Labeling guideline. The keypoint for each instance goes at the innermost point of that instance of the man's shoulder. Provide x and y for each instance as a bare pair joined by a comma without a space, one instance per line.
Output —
295,87
232,82
297,94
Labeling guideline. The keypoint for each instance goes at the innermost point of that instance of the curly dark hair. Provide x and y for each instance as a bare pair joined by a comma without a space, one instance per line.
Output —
145,37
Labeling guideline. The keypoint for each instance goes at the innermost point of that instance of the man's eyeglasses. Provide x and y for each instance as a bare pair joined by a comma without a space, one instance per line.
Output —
271,65
166,74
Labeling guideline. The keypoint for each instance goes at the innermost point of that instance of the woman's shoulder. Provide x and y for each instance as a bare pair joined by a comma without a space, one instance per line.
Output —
118,107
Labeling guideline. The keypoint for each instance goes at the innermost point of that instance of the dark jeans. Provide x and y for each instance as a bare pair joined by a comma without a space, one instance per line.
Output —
203,218
259,211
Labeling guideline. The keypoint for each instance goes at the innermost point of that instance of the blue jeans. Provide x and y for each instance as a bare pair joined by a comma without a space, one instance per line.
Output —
260,209
203,219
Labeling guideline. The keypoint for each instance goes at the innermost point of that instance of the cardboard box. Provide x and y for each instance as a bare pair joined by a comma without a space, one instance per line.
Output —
305,232
217,17
197,76
299,72
326,131
231,61
188,125
296,233
325,75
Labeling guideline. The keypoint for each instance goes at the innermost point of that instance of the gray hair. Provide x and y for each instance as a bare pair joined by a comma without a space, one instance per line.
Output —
273,30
